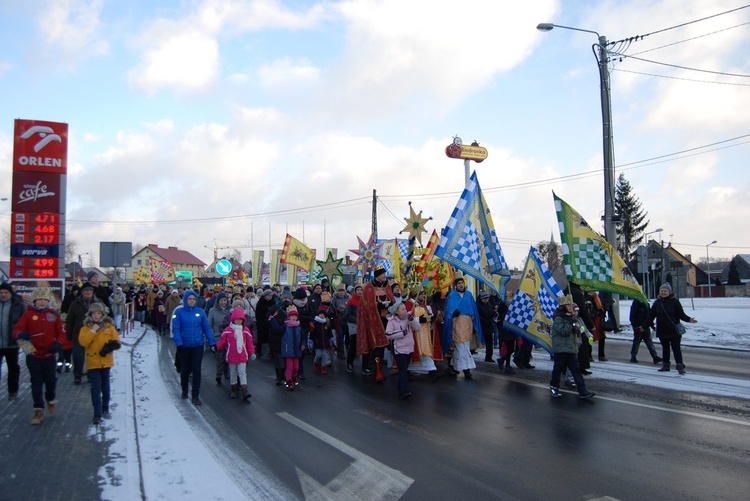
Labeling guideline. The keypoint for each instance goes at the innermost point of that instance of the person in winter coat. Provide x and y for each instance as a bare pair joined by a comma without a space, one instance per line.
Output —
190,328
667,311
215,318
277,329
306,316
265,303
73,324
641,331
41,333
12,308
237,340
160,313
293,345
172,302
350,317
487,313
320,336
565,340
99,336
400,329
118,300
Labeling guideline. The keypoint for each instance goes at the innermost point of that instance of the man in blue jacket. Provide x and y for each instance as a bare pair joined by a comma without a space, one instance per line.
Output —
190,328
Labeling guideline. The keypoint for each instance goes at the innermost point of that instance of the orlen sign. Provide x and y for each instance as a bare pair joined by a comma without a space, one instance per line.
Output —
40,146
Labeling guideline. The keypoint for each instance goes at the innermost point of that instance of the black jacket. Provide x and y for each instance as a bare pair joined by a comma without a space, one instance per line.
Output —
667,312
639,317
17,308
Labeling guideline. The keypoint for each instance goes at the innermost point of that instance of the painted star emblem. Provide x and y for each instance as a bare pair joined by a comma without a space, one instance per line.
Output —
369,253
415,224
330,267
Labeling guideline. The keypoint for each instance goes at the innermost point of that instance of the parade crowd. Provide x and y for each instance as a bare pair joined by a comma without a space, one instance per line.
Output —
393,332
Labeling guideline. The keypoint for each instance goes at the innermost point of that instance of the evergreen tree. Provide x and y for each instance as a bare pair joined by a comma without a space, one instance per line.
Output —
631,226
734,274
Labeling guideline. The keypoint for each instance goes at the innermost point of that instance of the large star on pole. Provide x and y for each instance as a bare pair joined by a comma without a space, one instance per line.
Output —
330,267
369,253
415,224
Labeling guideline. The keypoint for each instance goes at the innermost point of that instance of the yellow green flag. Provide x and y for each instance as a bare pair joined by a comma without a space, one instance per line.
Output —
589,260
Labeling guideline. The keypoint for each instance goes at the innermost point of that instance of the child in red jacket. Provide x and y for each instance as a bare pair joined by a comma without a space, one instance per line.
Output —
41,333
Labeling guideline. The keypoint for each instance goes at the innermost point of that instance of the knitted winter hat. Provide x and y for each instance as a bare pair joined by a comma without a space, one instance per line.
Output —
666,285
98,306
300,294
292,310
237,313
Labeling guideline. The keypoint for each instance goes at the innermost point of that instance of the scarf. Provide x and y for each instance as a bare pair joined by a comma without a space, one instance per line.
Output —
292,323
238,336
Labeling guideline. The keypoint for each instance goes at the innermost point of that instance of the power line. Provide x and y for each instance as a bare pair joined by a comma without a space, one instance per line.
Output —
641,37
426,196
686,67
691,39
681,78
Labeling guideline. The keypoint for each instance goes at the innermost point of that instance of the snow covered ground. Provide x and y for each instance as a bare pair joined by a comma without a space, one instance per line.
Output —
169,460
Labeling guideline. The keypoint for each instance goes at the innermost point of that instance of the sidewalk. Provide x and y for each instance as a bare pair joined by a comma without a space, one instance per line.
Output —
65,456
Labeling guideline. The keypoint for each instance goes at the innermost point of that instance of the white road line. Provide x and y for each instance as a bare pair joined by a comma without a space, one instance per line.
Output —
365,478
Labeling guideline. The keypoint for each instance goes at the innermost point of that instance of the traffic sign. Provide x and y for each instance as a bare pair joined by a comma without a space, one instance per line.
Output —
223,267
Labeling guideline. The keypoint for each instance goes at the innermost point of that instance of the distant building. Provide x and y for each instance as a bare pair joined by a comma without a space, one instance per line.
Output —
743,266
181,260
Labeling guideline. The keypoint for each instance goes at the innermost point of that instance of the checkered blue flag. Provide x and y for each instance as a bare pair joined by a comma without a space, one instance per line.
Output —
469,238
521,311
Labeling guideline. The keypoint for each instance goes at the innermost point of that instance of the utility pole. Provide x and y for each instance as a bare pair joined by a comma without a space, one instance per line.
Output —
374,230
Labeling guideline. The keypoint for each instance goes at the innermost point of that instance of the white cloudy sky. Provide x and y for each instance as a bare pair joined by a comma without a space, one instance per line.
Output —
207,123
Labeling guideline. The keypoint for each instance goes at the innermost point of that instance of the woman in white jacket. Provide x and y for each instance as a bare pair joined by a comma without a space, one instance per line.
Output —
400,329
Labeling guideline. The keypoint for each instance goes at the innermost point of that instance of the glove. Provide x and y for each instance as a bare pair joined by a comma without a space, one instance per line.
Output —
591,340
26,336
456,313
114,344
639,330
410,317
106,350
55,347
212,348
422,320
253,356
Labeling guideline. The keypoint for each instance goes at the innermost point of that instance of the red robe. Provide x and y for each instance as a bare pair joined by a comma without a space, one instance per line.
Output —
370,327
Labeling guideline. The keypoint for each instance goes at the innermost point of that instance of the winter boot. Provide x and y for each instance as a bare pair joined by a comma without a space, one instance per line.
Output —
657,360
38,416
323,370
234,391
554,392
467,374
59,367
316,367
633,360
664,367
681,368
586,394
290,385
51,406
68,366
245,394
279,377
509,369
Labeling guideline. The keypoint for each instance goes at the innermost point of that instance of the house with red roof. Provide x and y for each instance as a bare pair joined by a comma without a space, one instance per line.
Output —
181,260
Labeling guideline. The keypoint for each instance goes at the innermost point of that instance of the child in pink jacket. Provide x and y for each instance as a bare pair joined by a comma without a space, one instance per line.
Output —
238,341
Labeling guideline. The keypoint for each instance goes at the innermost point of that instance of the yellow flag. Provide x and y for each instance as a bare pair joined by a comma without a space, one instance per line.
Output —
297,254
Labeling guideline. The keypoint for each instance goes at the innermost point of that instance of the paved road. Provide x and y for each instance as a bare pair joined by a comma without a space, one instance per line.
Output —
498,437
339,437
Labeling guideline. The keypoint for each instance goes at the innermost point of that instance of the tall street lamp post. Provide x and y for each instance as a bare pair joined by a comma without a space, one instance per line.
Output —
708,268
607,138
648,268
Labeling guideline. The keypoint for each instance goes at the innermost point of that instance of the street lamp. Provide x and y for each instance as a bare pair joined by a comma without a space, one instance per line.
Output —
708,268
648,268
607,139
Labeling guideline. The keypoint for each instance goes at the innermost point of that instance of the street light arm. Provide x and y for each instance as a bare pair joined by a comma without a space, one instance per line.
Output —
550,26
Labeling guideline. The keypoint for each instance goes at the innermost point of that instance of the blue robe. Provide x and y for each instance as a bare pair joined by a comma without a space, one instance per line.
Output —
466,306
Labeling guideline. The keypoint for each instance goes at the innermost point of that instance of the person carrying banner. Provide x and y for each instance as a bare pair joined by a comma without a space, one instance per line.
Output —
462,320
566,336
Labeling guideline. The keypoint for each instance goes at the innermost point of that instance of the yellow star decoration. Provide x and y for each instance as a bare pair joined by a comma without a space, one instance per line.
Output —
415,224
330,267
